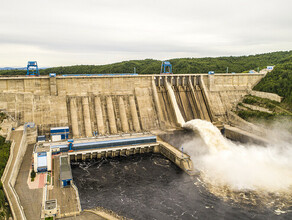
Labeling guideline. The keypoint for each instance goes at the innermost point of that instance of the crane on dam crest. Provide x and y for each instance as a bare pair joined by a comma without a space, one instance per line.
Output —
32,68
166,67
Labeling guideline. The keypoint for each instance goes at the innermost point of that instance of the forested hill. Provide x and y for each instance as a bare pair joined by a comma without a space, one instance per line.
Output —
279,81
181,65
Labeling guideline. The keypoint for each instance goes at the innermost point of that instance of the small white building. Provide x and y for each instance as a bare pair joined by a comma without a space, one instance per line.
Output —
42,158
270,67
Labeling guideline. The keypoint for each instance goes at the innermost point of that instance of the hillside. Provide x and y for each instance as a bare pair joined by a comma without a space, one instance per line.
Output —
279,81
181,65
4,155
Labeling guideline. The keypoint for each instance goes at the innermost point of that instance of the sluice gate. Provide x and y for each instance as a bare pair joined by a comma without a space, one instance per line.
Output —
182,160
189,97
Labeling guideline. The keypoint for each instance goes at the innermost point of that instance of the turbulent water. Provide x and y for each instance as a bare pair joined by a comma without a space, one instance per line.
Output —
233,182
250,174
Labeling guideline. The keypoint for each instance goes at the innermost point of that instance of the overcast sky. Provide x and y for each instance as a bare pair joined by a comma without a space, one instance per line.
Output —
69,32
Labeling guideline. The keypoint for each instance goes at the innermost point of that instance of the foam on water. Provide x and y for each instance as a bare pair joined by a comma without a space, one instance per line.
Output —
238,167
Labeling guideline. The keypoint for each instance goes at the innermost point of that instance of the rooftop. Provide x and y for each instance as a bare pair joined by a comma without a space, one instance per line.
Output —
42,148
65,169
51,204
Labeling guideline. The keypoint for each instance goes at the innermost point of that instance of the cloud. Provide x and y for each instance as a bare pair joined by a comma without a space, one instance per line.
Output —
105,31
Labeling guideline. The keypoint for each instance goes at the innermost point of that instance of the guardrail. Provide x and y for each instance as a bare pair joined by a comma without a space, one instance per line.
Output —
44,201
77,197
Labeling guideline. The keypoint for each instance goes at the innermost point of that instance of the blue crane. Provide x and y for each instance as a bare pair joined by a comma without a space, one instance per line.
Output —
166,66
32,68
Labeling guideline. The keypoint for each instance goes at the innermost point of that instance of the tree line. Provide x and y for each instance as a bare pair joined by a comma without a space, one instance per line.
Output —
279,81
235,64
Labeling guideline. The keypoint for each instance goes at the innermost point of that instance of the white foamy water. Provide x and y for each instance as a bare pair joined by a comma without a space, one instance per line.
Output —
252,167
177,112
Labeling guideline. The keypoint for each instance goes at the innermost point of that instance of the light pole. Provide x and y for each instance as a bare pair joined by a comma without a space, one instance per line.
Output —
182,152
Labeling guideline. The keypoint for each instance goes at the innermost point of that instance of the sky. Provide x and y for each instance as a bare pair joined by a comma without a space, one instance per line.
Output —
74,32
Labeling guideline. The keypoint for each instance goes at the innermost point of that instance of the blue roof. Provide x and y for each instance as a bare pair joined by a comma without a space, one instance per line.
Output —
104,142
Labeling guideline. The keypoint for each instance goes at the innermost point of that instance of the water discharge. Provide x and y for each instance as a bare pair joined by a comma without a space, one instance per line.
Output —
227,167
178,115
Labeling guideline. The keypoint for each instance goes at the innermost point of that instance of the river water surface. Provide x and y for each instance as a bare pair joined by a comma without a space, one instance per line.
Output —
149,186
233,181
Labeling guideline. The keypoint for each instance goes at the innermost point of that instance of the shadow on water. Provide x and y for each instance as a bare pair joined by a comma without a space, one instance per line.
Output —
149,186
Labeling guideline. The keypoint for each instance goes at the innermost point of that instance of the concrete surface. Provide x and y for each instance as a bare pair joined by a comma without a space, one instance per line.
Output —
66,197
85,216
257,108
46,101
238,134
267,95
15,136
31,199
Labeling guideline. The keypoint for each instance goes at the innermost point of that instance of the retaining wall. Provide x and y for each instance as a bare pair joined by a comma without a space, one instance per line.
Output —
266,95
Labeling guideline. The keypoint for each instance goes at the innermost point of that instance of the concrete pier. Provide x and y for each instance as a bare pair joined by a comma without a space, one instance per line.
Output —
157,103
134,114
99,116
182,160
123,115
111,115
86,115
74,118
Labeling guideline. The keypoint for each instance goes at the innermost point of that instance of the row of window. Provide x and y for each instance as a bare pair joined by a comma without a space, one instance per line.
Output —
112,143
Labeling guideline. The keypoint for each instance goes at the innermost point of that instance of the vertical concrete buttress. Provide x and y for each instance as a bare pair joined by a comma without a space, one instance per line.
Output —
123,115
134,114
74,119
86,116
156,101
111,115
99,116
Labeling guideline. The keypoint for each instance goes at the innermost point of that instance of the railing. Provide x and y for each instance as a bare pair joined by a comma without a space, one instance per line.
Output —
77,197
44,201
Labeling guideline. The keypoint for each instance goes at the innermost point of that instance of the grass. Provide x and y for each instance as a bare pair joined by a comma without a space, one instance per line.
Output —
264,118
4,155
267,103
49,178
280,112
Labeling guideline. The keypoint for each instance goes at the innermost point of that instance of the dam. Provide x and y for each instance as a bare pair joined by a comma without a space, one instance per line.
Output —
121,104
117,107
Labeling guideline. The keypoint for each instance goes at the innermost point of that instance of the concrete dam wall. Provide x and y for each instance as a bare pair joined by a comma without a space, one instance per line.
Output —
189,98
121,104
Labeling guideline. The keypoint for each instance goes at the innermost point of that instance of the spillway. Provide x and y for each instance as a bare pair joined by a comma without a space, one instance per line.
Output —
189,97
